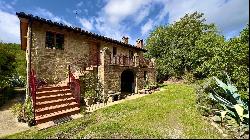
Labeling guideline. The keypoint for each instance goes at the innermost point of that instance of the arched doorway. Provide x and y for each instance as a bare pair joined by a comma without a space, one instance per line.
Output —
127,81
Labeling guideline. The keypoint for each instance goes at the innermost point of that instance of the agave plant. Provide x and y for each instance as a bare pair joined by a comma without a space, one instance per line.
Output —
234,107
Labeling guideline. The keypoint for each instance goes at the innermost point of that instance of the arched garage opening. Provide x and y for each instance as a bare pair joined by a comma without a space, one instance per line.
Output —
127,81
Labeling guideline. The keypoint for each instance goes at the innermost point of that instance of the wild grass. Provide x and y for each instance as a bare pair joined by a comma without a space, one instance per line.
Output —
170,113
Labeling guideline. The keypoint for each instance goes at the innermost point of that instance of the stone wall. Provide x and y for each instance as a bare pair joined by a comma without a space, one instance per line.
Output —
114,72
52,64
112,75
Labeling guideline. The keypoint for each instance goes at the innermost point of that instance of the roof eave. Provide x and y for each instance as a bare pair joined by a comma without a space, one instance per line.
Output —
97,36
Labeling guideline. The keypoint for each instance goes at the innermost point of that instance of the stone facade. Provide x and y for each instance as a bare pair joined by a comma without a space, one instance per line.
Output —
51,65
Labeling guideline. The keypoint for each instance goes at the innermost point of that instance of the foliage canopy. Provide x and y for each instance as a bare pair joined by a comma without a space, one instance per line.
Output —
193,46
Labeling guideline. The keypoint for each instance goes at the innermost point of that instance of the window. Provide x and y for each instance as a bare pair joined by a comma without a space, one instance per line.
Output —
131,54
59,41
54,40
145,75
50,43
114,51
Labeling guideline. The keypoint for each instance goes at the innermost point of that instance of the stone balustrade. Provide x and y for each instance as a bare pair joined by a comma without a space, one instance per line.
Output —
135,61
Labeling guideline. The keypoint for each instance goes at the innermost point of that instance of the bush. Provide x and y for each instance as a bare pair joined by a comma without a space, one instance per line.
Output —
7,66
28,111
12,65
17,81
91,87
24,112
215,98
205,105
188,77
17,110
233,106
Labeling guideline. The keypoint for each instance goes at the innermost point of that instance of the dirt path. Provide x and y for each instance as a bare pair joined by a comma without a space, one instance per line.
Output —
8,122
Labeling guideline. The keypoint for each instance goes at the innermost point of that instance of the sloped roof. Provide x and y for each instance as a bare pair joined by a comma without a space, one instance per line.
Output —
77,29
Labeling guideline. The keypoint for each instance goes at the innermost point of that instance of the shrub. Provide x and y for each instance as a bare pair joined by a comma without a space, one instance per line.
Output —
233,106
188,77
205,105
17,110
24,112
223,102
7,65
17,81
91,87
28,111
12,62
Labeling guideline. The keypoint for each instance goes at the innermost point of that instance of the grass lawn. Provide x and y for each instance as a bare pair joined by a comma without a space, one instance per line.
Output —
166,114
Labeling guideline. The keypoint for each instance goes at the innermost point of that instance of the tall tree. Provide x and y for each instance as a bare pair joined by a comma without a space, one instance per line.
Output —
173,45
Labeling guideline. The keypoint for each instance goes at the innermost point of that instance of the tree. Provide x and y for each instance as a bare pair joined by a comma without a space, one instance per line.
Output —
209,56
7,65
173,45
238,60
214,56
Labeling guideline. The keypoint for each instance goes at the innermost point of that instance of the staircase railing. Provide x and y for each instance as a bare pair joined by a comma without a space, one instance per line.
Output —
33,88
74,85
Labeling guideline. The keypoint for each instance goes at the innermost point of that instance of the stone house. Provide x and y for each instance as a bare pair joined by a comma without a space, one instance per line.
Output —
52,47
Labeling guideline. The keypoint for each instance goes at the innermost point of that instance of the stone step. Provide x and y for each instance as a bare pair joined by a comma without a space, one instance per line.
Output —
52,88
52,92
56,115
54,102
54,97
56,108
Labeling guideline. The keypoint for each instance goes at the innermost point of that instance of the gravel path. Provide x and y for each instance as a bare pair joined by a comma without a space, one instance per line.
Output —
8,122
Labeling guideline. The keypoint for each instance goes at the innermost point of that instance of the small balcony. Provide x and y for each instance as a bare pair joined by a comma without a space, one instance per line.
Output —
123,60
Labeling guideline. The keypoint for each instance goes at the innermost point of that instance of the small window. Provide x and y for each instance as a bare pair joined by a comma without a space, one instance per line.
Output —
114,51
145,75
50,43
54,40
59,41
131,54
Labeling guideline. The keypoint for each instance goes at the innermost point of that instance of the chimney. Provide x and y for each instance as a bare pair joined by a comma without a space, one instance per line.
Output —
139,43
125,40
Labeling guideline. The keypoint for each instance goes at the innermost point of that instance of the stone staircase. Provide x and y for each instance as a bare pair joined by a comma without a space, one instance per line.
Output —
53,103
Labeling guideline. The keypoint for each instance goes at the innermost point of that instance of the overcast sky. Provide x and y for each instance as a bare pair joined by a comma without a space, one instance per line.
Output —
117,18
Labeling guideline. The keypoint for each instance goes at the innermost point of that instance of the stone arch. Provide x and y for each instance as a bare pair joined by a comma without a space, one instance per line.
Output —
128,82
